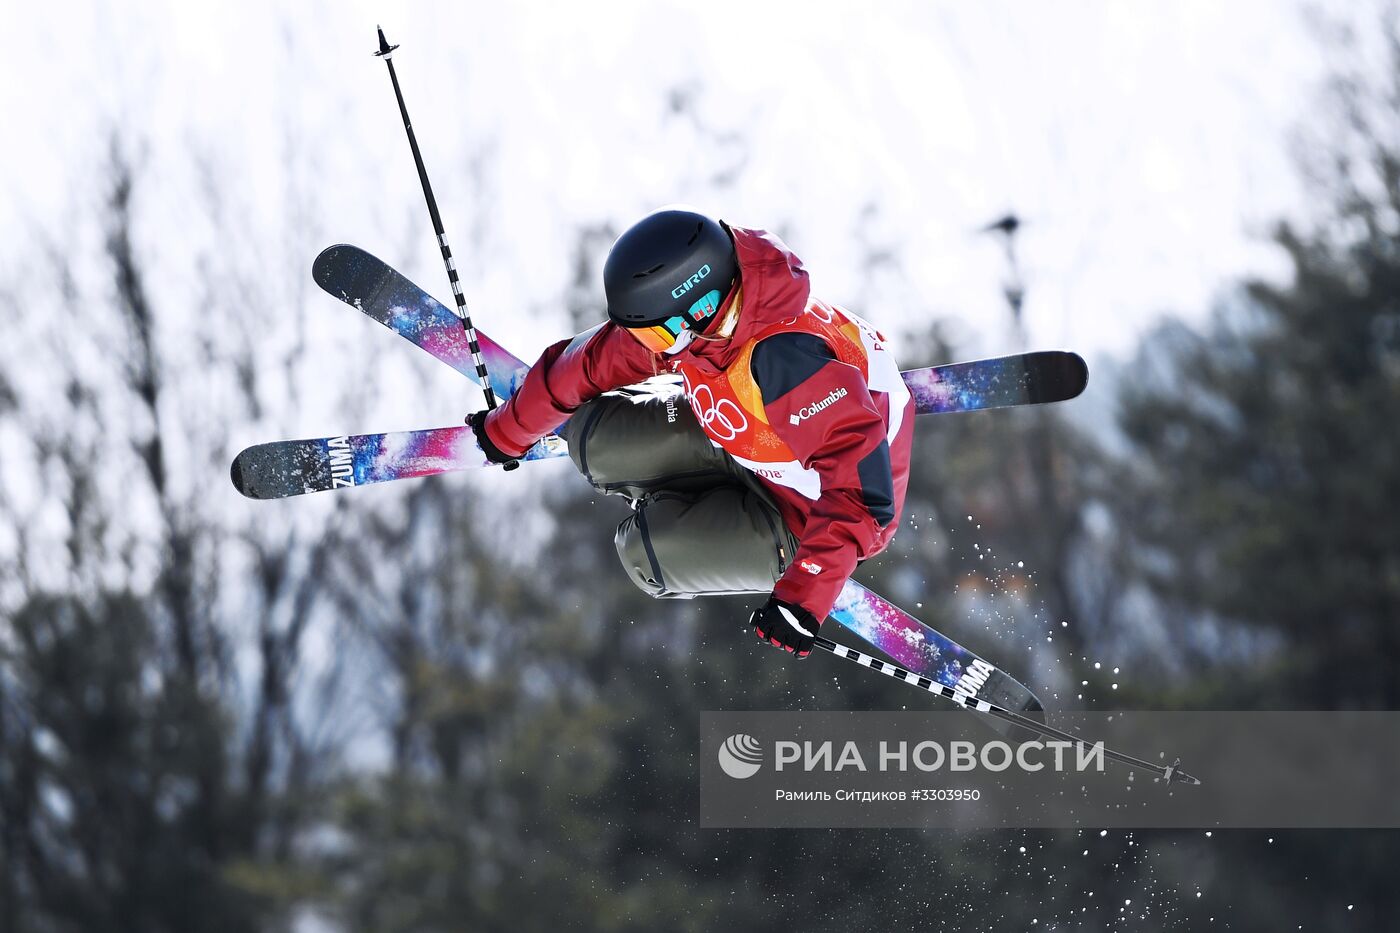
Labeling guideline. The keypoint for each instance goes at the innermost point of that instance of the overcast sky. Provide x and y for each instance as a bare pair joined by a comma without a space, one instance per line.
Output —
1144,144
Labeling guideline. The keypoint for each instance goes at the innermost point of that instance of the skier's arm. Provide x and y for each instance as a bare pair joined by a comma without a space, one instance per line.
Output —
566,375
845,442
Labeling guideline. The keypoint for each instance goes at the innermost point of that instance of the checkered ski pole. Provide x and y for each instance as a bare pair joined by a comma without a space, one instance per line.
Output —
386,52
1170,772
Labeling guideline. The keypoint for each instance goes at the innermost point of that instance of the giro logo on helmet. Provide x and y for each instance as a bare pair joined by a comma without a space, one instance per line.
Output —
723,419
691,282
802,414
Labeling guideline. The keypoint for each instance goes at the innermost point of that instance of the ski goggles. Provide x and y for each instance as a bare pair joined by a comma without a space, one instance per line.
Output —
661,337
665,337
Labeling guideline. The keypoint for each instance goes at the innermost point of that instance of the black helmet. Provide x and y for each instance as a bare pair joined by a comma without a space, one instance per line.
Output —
674,263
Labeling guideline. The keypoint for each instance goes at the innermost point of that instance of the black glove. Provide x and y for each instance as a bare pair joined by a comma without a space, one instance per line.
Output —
785,625
477,420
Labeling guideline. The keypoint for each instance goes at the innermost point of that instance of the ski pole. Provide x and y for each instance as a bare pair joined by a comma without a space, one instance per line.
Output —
386,52
1171,772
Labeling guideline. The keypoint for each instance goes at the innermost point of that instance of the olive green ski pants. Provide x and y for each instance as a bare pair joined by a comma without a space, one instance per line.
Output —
701,525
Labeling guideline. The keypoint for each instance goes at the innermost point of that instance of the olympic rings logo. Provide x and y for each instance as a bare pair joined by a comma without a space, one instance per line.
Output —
723,419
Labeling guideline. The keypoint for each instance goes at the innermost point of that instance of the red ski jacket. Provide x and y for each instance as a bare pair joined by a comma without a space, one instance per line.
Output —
817,410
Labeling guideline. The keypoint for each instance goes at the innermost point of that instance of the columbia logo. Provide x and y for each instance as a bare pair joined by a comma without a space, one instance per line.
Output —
802,414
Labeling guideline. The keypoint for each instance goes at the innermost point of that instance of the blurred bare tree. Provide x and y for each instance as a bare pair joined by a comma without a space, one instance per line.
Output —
153,767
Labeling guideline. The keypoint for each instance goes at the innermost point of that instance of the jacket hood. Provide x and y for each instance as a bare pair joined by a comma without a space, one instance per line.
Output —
775,289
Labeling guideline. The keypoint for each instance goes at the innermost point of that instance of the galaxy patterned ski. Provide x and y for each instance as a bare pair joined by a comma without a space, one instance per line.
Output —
914,645
364,282
1001,382
292,468
367,283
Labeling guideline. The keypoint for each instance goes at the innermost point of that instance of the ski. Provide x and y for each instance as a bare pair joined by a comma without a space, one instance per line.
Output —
365,282
371,285
281,469
1035,378
291,468
926,652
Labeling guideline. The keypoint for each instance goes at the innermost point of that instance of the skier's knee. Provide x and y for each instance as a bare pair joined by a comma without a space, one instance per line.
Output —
726,540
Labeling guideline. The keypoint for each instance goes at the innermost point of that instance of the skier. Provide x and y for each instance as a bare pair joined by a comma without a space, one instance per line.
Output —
794,465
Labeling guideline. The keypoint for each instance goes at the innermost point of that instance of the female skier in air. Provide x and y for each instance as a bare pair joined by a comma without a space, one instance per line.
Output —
794,465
